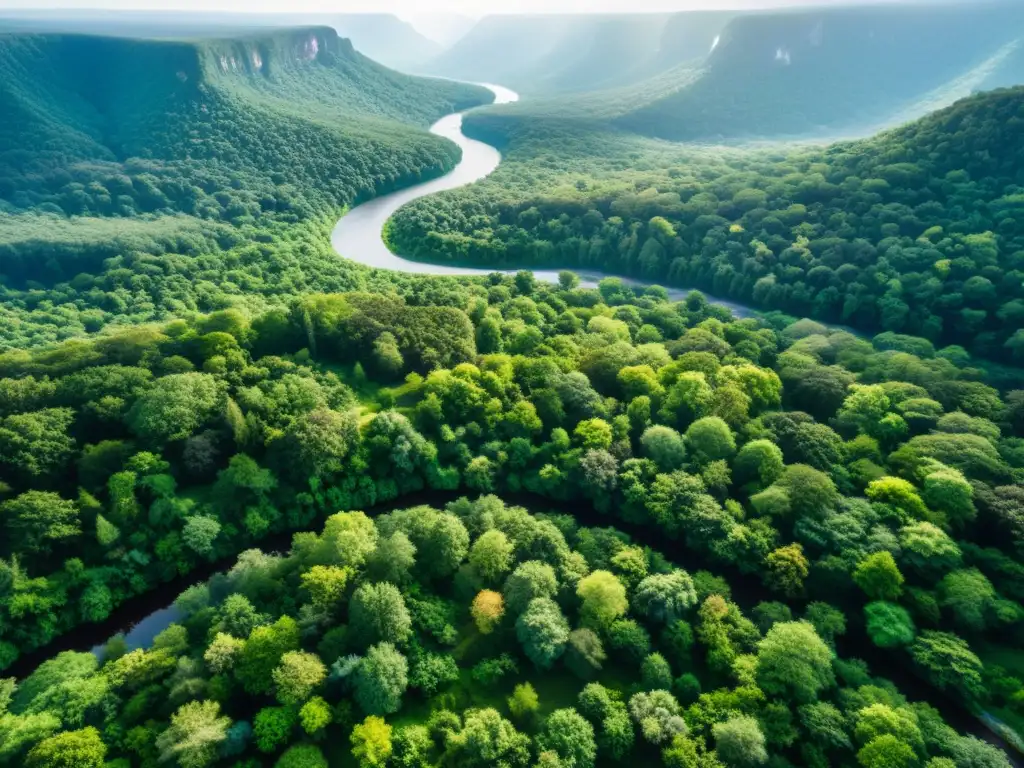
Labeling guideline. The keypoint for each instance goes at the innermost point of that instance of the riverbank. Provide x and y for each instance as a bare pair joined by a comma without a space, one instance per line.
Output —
360,234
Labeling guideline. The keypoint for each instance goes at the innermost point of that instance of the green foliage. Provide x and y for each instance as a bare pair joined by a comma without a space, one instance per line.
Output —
143,189
297,676
743,234
710,439
273,727
71,749
263,651
486,736
542,631
37,444
665,597
603,598
570,737
785,504
523,703
793,662
758,461
491,556
302,756
886,751
38,521
948,663
786,568
196,732
315,716
739,742
532,579
377,613
381,680
371,742
176,407
889,625
657,715
879,577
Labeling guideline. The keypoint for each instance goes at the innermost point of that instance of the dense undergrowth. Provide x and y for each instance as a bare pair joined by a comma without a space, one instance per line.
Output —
868,483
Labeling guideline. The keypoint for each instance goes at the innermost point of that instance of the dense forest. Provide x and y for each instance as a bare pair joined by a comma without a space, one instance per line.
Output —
493,521
914,231
216,163
871,489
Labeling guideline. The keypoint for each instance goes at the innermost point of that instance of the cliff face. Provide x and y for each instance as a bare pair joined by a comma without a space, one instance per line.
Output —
87,96
88,121
833,71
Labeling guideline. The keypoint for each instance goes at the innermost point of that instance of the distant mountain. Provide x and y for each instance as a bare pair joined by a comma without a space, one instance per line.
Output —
445,29
840,71
383,37
555,54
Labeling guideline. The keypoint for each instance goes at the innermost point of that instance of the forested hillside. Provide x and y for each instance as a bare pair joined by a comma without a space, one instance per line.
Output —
491,522
798,496
262,133
912,232
382,37
566,54
840,71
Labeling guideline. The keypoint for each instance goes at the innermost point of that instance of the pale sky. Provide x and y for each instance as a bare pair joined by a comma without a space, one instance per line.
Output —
409,8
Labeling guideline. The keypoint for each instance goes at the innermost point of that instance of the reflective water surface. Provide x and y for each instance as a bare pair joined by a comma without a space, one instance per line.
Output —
358,235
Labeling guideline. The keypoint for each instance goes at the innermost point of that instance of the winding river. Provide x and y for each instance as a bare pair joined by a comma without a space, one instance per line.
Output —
358,235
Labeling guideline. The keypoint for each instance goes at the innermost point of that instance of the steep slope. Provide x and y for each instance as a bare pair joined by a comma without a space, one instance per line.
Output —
82,97
381,36
287,125
502,49
918,230
980,138
838,71
690,37
559,54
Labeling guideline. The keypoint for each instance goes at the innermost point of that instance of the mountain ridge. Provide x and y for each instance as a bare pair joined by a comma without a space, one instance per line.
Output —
563,53
799,73
288,125
382,36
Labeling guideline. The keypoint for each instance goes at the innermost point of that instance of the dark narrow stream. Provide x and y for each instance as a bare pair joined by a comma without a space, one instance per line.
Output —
142,618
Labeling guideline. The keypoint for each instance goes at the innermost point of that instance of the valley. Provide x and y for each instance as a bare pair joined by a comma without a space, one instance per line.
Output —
541,390
360,234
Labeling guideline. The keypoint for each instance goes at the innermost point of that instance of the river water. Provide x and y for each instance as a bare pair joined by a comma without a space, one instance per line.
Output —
358,235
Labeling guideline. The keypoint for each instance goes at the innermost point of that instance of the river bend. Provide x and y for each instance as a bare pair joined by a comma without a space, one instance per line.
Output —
358,235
